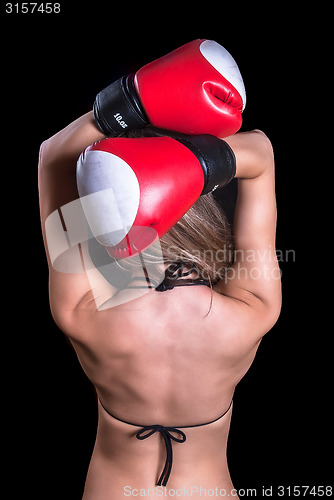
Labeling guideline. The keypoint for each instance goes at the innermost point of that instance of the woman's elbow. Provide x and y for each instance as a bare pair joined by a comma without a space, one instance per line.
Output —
264,148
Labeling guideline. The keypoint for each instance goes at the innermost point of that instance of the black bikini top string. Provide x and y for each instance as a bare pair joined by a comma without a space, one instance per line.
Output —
172,273
167,436
166,433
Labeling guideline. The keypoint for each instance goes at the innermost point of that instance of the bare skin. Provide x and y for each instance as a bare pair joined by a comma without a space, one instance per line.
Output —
160,358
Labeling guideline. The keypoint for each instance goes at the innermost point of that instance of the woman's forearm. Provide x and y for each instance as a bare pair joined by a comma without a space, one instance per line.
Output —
58,160
65,147
253,153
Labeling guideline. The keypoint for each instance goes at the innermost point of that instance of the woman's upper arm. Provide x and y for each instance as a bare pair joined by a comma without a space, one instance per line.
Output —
255,275
62,225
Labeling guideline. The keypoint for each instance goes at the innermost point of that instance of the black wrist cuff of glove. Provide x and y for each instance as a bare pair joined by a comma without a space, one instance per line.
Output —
216,157
117,108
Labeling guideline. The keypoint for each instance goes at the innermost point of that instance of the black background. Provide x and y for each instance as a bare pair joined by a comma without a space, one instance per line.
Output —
52,67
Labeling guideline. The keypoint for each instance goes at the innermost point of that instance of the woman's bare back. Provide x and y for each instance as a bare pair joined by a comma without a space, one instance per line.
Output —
161,360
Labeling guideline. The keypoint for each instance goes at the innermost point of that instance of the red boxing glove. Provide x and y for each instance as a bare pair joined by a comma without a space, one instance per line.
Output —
196,89
134,190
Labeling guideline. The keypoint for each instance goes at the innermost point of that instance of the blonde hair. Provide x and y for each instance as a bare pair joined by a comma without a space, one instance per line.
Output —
201,237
